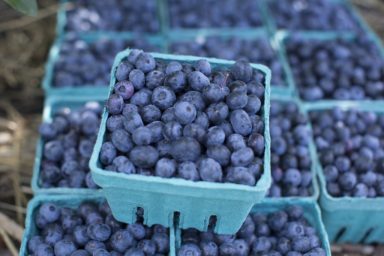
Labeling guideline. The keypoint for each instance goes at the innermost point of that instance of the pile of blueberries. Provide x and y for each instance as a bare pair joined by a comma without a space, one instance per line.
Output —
336,69
284,232
185,120
68,143
350,147
214,13
233,48
91,230
312,15
88,63
113,15
290,156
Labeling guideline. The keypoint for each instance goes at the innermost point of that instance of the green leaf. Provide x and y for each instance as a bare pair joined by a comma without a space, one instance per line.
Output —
28,7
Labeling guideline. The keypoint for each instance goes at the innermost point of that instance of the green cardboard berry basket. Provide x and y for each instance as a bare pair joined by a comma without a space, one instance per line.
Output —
71,201
178,36
312,150
350,219
86,89
51,105
281,37
195,202
311,213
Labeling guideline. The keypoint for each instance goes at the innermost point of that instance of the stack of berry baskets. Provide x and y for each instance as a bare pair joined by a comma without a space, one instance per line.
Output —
195,193
67,136
350,169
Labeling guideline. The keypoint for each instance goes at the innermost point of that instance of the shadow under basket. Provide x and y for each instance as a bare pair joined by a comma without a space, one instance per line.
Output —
195,203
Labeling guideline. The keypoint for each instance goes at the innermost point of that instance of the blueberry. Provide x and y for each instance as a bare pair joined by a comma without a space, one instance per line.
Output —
209,248
137,231
115,104
240,175
241,122
210,170
154,79
52,234
203,66
219,153
188,171
47,131
165,168
172,130
194,131
238,87
261,244
148,246
195,98
80,235
44,250
172,67
189,250
125,89
132,121
215,92
283,245
277,220
162,242
133,55
86,148
129,108
292,177
256,143
294,230
53,150
217,112
122,140
163,97
141,97
235,142
360,190
121,240
237,100
49,212
137,78
33,243
101,252
303,244
156,129
197,80
94,245
107,153
64,248
347,181
142,136
331,173
144,156
242,157
114,122
150,113
185,149
177,81
145,62
123,165
253,105
215,136
185,112
242,70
